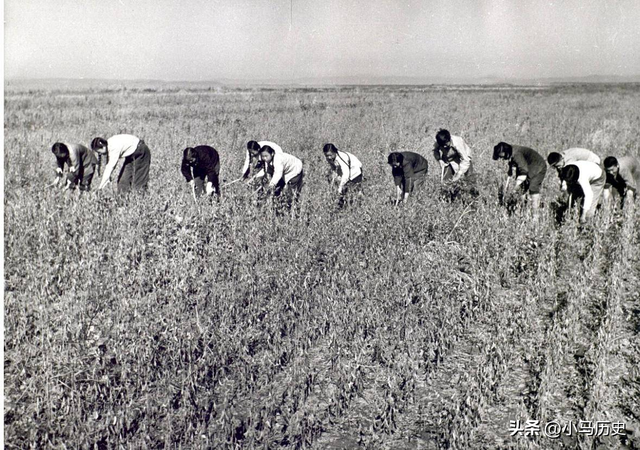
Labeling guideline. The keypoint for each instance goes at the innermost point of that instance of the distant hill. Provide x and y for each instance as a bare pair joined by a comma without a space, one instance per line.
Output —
59,83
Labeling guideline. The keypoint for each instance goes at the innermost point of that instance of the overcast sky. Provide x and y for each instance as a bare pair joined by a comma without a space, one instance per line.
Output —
287,39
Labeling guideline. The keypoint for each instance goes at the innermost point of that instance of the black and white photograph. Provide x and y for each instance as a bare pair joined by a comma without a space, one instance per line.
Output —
321,224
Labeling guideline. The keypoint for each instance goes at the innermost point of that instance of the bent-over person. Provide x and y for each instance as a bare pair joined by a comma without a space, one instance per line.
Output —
454,156
345,166
253,161
409,172
288,174
202,163
134,173
81,163
569,156
529,167
623,175
585,181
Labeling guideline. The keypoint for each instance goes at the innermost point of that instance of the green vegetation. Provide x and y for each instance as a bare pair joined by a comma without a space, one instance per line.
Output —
149,322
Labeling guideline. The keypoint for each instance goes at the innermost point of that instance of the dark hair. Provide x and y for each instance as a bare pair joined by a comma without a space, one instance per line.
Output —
268,149
60,150
610,161
190,155
395,157
443,136
502,149
554,158
329,148
253,145
98,143
570,173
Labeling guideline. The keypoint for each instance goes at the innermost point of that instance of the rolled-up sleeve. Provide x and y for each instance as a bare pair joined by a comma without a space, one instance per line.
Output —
74,165
588,195
114,156
345,173
245,167
278,170
465,158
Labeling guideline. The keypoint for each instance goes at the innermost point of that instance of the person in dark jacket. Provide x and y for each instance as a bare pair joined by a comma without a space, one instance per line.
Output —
81,163
200,163
530,168
409,172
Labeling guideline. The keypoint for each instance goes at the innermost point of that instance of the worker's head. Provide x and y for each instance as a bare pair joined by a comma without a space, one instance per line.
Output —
395,160
60,150
330,152
190,156
502,151
611,165
570,174
267,154
443,138
254,148
99,145
556,160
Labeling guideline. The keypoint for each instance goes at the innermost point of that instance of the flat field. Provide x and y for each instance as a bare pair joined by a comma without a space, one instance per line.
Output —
151,322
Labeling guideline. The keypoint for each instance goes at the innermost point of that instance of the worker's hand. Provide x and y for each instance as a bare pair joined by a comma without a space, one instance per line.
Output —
628,198
442,164
209,188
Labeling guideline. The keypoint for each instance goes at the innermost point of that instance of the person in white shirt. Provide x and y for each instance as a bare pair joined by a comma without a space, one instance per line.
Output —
253,156
287,173
346,166
584,180
134,173
569,156
454,156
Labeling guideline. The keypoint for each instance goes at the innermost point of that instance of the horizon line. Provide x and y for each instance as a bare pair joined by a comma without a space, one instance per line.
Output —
350,80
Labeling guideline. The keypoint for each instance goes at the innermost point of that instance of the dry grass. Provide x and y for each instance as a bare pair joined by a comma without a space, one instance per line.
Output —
427,326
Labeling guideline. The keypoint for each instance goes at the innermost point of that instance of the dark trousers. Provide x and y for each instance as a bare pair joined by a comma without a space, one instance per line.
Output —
418,181
291,190
533,184
134,174
199,181
85,176
350,190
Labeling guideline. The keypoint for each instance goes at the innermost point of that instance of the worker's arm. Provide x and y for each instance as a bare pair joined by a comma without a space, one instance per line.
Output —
465,159
278,170
344,179
245,166
106,176
588,199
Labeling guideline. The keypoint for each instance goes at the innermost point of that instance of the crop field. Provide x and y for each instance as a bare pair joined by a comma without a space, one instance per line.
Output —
153,322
